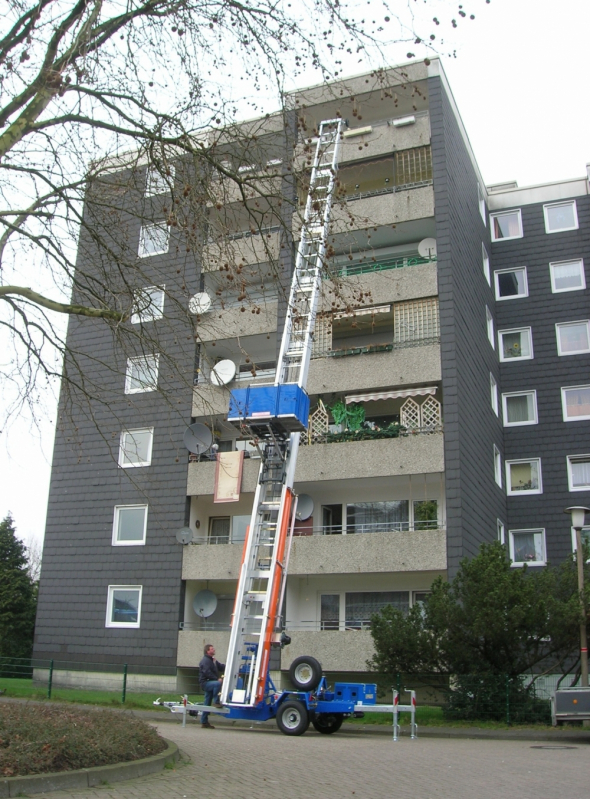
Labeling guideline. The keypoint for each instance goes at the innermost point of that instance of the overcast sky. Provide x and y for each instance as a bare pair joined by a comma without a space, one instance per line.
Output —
520,81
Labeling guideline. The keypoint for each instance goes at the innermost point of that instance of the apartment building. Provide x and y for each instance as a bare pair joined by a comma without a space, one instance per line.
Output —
449,394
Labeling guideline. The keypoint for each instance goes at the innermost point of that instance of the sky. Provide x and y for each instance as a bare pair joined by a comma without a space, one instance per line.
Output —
520,82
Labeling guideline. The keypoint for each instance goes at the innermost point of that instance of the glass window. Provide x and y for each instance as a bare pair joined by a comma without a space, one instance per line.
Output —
497,466
377,517
239,525
490,327
494,393
511,283
585,531
142,374
362,605
524,477
481,202
573,338
500,531
576,403
425,514
527,546
486,264
560,216
567,276
578,468
506,225
135,448
158,182
124,606
419,598
516,344
153,239
129,525
219,527
148,304
519,408
330,611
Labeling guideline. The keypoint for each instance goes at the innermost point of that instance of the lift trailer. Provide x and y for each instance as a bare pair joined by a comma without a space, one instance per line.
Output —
276,416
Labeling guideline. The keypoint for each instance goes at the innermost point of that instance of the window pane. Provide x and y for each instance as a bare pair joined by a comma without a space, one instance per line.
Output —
580,473
361,605
219,530
239,525
573,338
125,606
524,476
153,239
506,226
425,514
142,374
560,217
511,284
520,409
131,524
136,447
148,305
377,517
516,345
577,402
528,547
568,276
158,183
330,611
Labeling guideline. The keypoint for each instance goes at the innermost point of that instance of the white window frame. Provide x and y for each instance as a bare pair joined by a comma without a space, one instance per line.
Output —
501,531
513,462
490,328
136,464
516,211
570,481
494,394
486,264
110,596
497,466
520,357
137,543
481,201
156,183
143,236
520,563
511,296
579,261
556,205
154,311
129,377
508,394
567,418
585,528
559,325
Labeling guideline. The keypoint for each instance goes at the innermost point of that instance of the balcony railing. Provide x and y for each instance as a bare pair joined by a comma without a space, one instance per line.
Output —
380,266
393,430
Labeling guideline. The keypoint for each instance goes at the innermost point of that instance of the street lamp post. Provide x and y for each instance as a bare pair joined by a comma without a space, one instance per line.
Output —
578,516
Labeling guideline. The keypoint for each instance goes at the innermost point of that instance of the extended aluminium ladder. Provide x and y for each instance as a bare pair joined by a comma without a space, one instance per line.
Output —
263,572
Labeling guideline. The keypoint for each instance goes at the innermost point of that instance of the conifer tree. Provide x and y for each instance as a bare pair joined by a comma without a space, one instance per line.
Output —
18,598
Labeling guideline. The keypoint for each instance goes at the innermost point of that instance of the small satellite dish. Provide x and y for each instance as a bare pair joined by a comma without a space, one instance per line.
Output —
184,535
304,507
427,248
197,438
223,372
199,303
205,603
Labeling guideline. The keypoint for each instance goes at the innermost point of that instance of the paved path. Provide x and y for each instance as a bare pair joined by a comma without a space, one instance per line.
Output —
261,763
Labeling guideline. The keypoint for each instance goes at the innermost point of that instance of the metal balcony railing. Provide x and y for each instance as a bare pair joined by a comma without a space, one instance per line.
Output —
380,266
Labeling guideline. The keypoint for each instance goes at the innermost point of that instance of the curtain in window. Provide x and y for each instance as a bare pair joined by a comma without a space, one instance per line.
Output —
577,402
519,409
573,338
330,611
528,547
377,517
567,276
580,473
361,605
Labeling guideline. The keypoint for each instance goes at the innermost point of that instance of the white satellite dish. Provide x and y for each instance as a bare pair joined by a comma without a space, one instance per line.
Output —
184,535
199,303
427,248
197,438
304,507
205,603
223,372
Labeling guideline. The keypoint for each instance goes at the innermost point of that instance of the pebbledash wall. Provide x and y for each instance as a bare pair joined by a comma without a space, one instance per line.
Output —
79,561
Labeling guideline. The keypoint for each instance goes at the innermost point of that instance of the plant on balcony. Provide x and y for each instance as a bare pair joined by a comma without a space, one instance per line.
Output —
392,430
352,417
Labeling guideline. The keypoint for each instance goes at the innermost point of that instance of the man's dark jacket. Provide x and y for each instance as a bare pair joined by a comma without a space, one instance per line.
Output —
210,669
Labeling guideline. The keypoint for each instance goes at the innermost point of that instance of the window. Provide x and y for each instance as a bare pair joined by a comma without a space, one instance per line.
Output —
497,466
511,283
486,264
578,472
219,528
560,216
527,546
500,531
124,606
573,338
494,393
519,408
330,611
576,403
425,514
516,344
129,525
142,374
148,304
377,517
585,532
567,276
239,525
419,598
524,477
490,326
153,239
361,605
157,182
135,448
506,225
481,200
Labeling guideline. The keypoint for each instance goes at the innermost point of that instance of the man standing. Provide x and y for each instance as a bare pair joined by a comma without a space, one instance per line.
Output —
210,672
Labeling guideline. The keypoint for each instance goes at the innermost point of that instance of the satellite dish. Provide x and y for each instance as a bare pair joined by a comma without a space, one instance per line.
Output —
223,372
197,438
205,603
184,535
304,507
199,303
427,248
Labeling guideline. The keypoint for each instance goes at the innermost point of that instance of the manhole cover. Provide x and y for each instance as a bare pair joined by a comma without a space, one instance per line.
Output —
553,747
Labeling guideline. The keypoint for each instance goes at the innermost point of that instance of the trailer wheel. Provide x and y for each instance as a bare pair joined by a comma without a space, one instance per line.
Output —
327,723
292,718
305,673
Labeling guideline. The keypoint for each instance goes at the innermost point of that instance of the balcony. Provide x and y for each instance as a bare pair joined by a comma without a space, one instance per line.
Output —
191,643
248,248
339,651
230,322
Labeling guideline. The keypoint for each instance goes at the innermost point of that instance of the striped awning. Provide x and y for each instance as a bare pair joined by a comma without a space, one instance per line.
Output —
382,395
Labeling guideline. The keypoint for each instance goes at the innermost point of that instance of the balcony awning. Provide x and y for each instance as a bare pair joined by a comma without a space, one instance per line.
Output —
382,395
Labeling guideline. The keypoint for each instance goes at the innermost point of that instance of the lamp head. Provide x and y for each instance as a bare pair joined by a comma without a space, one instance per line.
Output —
578,514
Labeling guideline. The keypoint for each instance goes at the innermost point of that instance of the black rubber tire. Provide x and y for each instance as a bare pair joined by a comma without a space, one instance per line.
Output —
305,673
292,718
328,723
